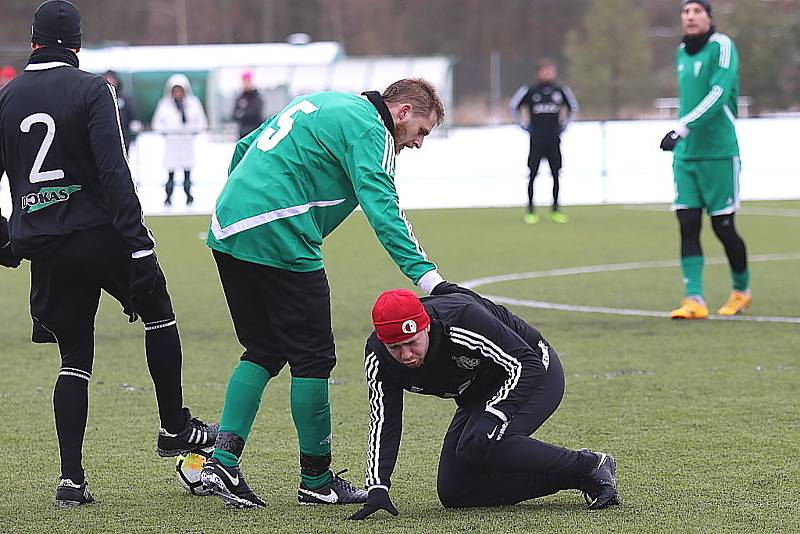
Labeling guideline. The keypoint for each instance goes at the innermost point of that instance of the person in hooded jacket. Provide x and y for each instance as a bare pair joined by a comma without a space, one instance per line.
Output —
179,116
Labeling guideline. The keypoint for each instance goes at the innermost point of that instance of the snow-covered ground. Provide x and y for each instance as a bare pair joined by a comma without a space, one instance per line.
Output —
613,162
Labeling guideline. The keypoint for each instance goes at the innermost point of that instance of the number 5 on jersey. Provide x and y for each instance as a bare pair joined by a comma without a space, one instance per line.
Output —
270,137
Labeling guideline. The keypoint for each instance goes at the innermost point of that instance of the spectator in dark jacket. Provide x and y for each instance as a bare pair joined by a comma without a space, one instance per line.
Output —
131,126
248,112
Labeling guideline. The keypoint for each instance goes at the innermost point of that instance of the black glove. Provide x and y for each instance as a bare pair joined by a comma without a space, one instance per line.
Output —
669,141
478,441
130,311
377,499
145,276
7,256
447,288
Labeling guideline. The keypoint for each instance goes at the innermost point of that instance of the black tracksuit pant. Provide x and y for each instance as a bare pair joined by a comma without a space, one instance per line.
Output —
520,467
549,148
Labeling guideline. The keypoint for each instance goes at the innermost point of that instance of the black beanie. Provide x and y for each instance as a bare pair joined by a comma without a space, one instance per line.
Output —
57,23
705,3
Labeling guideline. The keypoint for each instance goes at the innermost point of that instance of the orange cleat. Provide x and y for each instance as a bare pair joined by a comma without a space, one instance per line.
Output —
691,308
738,302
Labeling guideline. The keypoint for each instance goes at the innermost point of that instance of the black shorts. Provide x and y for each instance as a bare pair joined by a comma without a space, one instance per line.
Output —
280,316
548,148
66,287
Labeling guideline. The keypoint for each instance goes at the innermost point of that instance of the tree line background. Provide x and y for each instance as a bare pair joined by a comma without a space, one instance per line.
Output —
617,55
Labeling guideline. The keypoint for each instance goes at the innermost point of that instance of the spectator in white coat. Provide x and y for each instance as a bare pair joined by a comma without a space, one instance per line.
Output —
179,117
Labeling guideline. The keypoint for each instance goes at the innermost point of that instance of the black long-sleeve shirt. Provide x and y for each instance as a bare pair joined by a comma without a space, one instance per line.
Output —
480,354
61,146
248,111
544,102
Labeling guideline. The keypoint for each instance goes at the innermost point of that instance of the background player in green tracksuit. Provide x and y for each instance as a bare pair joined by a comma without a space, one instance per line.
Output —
292,182
706,160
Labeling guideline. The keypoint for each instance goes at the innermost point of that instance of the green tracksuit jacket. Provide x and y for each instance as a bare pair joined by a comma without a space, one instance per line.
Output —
293,180
708,88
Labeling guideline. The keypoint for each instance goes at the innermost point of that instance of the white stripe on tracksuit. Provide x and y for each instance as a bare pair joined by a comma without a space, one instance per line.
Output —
489,349
704,105
724,49
376,420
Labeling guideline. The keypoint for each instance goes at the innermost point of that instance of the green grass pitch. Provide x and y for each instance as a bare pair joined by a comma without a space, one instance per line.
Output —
701,416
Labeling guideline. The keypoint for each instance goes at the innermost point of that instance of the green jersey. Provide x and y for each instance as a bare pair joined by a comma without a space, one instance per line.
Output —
293,180
708,89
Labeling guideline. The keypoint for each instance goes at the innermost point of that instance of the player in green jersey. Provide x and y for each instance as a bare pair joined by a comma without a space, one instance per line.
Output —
706,157
291,182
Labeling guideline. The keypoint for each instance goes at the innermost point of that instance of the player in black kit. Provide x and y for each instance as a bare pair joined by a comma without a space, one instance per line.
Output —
545,103
77,218
506,380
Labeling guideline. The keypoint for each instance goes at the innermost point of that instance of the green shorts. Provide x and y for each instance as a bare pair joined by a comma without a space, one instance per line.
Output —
712,184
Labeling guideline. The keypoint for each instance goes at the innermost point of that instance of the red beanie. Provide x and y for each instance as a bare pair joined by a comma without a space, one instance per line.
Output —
398,315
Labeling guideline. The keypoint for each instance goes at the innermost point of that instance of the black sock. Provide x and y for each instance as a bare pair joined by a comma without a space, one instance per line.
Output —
187,185
555,189
71,407
530,193
170,184
163,348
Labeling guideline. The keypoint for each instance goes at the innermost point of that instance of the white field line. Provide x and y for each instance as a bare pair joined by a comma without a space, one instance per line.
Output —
477,282
769,212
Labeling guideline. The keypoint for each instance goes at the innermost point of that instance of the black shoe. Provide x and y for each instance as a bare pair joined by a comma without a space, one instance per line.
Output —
599,486
189,200
70,494
195,435
228,484
168,202
337,491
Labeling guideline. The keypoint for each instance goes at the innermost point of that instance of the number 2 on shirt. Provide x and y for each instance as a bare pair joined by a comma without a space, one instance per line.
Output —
37,175
270,137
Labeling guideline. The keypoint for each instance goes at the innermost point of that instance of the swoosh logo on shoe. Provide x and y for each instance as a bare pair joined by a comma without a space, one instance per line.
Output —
234,480
491,434
331,497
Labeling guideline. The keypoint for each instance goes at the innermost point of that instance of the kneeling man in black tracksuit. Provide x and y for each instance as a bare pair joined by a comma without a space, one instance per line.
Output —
506,380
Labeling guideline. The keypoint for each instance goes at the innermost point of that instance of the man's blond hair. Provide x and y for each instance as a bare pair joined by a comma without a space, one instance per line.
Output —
421,94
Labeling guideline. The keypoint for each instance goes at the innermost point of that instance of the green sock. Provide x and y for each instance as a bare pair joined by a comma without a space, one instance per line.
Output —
242,399
692,267
741,281
311,412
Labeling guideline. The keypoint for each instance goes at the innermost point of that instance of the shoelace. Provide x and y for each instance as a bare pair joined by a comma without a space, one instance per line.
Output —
194,421
342,483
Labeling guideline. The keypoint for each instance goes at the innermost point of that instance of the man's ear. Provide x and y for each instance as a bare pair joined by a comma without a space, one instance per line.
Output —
405,111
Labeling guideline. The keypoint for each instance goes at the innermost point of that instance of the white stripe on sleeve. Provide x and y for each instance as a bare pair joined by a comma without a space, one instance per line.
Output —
376,420
488,348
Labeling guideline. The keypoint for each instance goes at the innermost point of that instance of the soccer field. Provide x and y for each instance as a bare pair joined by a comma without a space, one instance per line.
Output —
702,416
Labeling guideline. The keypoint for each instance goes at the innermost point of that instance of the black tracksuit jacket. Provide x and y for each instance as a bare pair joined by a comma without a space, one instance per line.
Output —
61,146
480,354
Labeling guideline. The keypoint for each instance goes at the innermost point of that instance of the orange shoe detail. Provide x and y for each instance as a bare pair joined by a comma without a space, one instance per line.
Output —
738,302
690,309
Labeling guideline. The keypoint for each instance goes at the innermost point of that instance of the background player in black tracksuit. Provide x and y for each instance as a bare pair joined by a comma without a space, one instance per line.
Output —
77,218
550,108
506,380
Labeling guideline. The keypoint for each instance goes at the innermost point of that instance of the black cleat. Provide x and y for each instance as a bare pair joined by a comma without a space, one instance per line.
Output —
599,486
69,494
337,491
228,484
195,435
